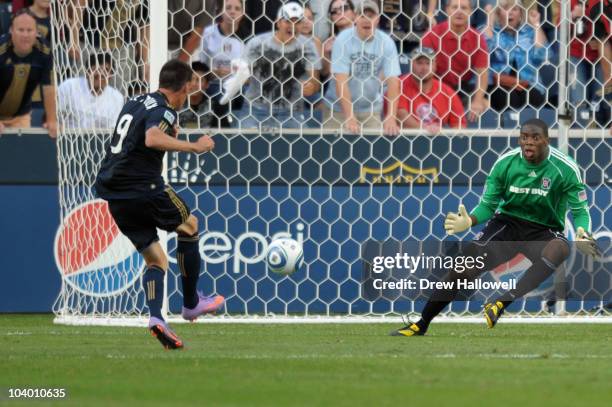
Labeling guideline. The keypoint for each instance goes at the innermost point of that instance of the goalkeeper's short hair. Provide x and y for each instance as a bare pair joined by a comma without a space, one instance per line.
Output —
541,124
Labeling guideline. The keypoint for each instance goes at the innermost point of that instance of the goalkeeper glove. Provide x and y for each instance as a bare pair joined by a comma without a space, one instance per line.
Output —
233,84
586,243
457,222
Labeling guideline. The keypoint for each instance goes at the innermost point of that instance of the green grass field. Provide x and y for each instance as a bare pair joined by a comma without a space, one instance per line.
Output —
311,365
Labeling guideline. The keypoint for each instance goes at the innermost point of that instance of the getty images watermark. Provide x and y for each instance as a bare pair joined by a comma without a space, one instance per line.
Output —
411,270
411,264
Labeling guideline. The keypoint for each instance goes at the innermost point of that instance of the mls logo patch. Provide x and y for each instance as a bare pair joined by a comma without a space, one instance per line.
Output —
582,195
545,183
169,117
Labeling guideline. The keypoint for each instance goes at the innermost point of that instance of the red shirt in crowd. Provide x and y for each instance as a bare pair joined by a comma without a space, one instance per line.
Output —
454,59
18,5
579,45
440,104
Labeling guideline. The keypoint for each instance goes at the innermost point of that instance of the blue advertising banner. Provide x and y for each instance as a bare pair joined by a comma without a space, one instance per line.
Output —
29,281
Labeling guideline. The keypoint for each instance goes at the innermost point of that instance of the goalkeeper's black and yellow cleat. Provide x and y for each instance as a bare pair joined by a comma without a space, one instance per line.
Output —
492,312
408,330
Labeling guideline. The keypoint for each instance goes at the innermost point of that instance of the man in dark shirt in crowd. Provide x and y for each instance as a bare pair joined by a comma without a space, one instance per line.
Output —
41,10
25,64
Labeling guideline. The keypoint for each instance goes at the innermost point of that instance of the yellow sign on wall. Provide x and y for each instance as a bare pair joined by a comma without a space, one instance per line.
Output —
399,173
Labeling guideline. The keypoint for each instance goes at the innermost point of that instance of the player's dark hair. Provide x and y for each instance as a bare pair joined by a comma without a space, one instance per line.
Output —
174,75
99,59
541,124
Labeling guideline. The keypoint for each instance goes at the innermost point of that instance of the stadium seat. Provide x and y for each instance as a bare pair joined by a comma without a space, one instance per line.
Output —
488,120
547,75
5,17
549,116
603,113
512,119
38,115
583,119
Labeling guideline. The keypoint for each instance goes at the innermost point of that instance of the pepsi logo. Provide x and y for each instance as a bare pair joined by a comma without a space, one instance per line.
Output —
92,255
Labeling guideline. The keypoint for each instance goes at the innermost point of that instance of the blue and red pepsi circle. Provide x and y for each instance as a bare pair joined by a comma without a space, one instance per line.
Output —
92,255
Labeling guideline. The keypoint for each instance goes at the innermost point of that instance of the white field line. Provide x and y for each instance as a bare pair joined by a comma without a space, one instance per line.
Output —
142,322
382,356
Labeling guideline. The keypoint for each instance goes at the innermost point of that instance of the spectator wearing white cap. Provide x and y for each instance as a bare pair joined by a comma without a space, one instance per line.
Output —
284,69
363,59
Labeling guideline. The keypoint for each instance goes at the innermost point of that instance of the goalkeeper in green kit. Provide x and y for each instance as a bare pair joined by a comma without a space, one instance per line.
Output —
526,197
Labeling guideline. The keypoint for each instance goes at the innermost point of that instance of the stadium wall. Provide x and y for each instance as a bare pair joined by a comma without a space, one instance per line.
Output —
29,281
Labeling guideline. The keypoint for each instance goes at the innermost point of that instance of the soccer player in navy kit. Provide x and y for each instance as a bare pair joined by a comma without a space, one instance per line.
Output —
130,180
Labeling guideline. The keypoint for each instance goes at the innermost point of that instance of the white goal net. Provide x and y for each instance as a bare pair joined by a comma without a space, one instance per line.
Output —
295,174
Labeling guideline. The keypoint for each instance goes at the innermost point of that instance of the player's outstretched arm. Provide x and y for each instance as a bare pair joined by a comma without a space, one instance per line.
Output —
157,139
458,222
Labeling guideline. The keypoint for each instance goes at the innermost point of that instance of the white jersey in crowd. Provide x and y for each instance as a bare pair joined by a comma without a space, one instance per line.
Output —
218,50
80,108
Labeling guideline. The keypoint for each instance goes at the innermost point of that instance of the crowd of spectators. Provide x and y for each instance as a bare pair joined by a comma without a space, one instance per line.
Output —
353,64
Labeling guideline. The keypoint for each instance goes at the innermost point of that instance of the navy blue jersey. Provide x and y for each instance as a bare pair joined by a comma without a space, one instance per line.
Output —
21,75
131,169
43,26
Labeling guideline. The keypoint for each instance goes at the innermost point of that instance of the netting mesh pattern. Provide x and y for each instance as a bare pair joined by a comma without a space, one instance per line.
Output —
332,193
332,190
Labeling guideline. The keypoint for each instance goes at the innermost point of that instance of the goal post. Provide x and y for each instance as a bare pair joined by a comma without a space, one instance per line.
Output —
333,194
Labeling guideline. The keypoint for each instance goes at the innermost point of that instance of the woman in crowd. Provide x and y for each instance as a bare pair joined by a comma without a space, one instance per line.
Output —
341,14
517,48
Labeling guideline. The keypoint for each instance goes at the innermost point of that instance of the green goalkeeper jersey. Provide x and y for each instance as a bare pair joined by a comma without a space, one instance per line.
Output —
538,193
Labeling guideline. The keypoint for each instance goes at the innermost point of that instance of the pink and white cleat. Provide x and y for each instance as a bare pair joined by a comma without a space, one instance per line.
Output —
206,305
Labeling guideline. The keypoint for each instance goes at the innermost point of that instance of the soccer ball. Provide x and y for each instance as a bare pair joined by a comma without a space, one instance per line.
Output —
285,256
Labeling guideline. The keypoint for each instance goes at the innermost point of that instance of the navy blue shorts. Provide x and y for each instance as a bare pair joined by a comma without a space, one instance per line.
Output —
138,219
504,236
